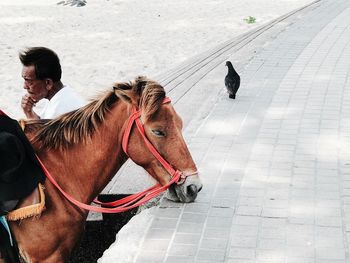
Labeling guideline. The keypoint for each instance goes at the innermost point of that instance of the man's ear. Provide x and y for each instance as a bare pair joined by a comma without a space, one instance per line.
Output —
49,84
126,92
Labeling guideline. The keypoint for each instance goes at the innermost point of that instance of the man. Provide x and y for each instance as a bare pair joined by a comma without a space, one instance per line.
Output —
42,80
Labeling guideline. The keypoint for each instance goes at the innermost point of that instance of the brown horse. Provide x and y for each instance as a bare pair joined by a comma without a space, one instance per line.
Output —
83,150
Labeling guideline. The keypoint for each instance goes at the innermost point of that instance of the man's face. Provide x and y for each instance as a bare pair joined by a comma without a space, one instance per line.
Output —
36,88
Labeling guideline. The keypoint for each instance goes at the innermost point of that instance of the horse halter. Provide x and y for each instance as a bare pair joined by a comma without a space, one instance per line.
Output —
177,176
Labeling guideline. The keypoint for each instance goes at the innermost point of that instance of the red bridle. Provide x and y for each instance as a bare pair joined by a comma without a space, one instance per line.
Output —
137,199
135,118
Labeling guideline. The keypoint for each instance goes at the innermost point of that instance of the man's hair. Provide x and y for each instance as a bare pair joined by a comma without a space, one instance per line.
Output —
45,62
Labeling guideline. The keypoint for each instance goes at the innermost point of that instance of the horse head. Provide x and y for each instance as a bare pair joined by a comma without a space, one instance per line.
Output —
158,124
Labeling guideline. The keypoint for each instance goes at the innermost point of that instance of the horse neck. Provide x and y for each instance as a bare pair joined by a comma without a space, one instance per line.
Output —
88,167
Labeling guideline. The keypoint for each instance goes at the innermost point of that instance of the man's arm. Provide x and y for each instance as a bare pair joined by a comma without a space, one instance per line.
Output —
27,105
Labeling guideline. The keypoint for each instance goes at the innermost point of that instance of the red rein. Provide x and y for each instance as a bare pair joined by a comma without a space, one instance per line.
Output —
133,200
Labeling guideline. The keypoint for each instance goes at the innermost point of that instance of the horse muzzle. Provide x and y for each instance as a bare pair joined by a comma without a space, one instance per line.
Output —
186,190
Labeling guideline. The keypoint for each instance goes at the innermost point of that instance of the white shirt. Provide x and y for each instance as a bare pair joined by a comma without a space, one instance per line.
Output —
65,100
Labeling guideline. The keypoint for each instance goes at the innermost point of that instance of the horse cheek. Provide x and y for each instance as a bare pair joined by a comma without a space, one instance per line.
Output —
179,155
138,151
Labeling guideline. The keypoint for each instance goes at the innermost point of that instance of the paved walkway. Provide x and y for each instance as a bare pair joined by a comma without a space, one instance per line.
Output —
275,163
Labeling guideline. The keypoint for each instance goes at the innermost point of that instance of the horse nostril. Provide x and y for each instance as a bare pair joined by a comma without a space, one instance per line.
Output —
192,190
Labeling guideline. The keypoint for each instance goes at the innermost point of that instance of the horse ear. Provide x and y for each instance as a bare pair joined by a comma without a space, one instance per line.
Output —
125,92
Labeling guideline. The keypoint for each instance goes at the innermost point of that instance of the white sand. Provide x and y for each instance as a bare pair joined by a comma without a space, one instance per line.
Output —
107,41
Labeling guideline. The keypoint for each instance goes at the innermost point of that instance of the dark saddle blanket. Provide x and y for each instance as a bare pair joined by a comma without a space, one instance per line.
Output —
20,170
20,174
7,206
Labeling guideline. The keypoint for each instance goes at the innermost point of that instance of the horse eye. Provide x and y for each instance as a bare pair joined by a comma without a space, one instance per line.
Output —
158,133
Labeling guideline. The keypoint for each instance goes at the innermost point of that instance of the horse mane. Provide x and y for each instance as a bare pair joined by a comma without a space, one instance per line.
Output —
77,126
152,96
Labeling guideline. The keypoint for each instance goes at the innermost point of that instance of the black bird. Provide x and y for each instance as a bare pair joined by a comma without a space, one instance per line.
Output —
232,80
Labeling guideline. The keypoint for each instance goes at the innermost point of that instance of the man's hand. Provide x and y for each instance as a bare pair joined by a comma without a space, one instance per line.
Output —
27,105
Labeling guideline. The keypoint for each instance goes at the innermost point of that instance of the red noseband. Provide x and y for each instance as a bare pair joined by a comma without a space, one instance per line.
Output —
135,118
